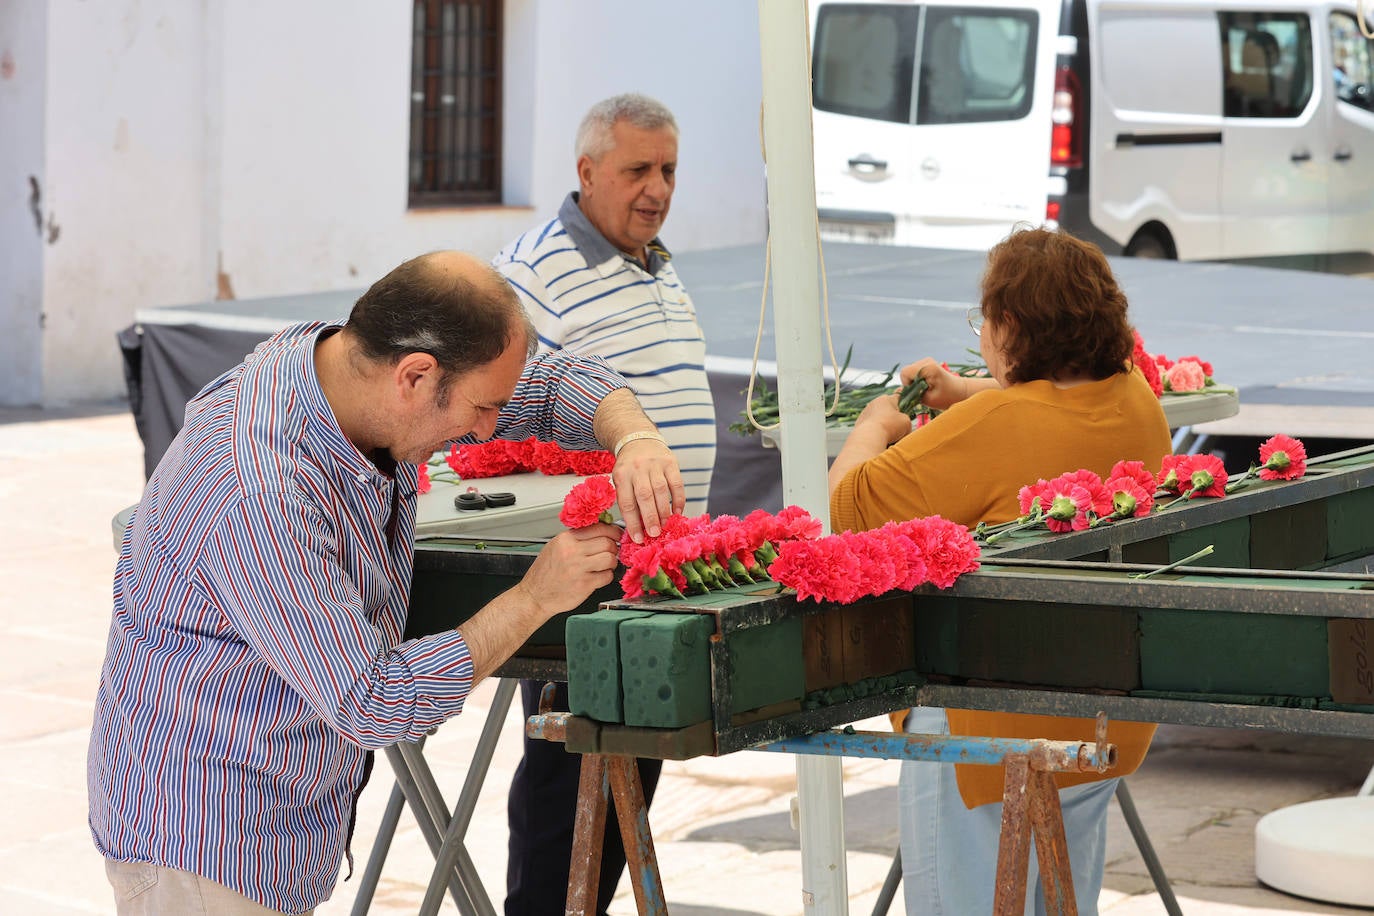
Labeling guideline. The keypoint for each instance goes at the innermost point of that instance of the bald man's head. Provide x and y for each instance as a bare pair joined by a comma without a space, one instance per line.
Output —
445,303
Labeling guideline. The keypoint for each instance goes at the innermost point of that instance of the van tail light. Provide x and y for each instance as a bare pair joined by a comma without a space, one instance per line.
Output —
1052,212
1066,132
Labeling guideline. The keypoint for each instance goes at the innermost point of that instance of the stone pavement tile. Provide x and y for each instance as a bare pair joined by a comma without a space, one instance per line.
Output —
1258,902
55,761
44,875
28,658
34,714
721,879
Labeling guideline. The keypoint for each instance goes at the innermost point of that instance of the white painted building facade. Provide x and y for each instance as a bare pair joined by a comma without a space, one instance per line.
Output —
160,152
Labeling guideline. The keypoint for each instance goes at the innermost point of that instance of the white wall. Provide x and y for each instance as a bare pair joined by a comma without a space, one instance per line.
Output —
269,141
699,59
124,167
23,60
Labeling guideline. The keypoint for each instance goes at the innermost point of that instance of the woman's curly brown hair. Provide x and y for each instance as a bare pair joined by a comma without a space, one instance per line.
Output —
1059,306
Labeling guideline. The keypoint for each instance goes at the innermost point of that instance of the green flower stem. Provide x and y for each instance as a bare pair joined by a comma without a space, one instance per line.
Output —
1006,532
659,582
738,571
1234,485
694,580
1174,565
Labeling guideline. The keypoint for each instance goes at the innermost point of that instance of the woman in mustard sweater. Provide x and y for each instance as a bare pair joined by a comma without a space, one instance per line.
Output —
1061,395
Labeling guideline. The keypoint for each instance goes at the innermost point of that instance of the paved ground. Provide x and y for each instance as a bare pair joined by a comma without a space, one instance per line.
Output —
722,827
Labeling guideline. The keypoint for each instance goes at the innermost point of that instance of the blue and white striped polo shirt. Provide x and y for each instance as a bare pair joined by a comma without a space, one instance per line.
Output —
584,295
255,650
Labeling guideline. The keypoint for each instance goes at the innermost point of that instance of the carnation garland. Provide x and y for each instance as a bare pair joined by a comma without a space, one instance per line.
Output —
1079,500
700,554
500,457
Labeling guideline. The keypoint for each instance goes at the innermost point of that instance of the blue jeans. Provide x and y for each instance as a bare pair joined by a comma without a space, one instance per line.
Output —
949,852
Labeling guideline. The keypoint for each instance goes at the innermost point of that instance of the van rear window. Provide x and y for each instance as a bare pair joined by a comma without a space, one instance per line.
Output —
975,64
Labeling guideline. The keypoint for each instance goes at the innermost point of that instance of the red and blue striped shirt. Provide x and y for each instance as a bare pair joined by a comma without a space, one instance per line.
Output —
255,653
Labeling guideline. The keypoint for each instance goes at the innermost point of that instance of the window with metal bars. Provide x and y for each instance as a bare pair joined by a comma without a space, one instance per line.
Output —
455,103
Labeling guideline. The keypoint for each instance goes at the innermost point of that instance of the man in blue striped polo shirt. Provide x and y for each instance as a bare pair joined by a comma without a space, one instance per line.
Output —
597,280
255,654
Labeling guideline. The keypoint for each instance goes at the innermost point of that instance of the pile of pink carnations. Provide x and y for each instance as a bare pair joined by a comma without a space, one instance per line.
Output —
1079,500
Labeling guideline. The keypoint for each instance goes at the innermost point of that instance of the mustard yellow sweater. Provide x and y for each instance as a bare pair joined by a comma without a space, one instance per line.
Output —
968,465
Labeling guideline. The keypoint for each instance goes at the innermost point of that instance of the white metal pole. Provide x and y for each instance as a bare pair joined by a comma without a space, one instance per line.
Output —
784,52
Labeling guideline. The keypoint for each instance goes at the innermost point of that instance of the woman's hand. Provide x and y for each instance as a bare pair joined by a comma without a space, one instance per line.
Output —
882,413
946,389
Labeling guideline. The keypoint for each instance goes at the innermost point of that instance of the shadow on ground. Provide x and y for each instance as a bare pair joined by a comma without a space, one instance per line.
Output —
870,825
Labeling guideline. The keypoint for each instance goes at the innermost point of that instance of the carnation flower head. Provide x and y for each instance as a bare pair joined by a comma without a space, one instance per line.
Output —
1202,363
551,459
1282,458
1129,498
1068,507
1207,476
1101,499
1185,375
819,569
1136,471
422,484
907,556
1031,496
585,463
588,502
947,547
879,565
1143,361
796,522
1173,473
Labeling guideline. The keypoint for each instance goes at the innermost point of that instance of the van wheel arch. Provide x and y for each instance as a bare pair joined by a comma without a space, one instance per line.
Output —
1154,241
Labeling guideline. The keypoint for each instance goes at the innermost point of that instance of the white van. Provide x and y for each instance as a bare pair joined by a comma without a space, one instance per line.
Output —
1195,129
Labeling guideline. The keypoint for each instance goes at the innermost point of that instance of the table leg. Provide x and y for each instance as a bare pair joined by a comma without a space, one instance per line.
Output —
367,884
1013,850
633,815
1051,846
593,794
429,828
452,853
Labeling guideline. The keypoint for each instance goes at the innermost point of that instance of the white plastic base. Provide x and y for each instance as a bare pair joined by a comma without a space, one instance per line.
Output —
1323,850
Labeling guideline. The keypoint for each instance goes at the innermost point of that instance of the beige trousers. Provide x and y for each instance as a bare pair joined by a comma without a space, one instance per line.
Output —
142,889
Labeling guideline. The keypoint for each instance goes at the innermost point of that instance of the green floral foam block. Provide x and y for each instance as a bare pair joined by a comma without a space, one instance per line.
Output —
665,669
1189,651
766,665
593,642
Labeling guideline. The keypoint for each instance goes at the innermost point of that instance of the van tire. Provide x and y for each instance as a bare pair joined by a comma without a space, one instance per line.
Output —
1150,244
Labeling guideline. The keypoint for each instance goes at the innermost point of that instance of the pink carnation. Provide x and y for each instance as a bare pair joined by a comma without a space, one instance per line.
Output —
1282,458
1173,473
1129,498
822,569
1206,366
1207,476
1101,499
1136,471
588,502
1028,495
1069,504
1185,375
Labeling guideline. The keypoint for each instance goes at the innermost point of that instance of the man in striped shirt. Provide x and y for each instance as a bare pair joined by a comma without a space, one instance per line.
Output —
255,654
597,280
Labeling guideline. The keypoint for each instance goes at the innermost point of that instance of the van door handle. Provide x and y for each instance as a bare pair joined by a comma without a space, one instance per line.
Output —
1301,156
1343,155
865,166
